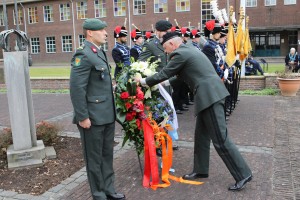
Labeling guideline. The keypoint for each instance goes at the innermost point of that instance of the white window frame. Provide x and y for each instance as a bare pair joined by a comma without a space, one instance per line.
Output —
82,10
66,43
270,2
50,13
208,10
50,45
158,2
35,45
105,46
36,19
187,9
101,6
81,39
290,2
116,12
139,7
251,3
64,12
20,16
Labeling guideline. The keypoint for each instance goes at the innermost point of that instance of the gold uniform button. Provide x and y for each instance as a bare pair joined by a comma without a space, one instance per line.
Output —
97,100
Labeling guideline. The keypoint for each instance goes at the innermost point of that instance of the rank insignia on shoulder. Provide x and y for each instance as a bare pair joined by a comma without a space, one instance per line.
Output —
94,49
77,61
144,48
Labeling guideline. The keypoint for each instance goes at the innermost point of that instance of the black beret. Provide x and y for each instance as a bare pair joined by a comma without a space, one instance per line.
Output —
94,24
168,36
163,25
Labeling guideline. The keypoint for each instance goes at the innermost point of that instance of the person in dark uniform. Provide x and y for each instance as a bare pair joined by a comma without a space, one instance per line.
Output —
210,93
195,36
212,49
148,36
255,65
94,109
137,38
121,52
185,34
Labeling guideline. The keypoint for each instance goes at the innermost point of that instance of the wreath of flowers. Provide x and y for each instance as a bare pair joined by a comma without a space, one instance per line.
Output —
135,103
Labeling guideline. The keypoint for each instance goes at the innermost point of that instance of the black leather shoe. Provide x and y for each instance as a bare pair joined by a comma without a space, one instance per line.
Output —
175,147
190,103
115,196
194,175
179,112
240,185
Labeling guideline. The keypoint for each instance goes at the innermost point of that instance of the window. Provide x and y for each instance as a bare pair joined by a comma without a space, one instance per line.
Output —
270,2
119,8
81,39
206,11
2,18
20,16
35,45
105,46
100,8
293,39
289,2
251,3
139,7
182,5
48,14
32,15
160,6
64,10
50,45
66,43
81,9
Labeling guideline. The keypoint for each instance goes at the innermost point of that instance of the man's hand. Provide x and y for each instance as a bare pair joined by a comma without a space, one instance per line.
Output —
85,123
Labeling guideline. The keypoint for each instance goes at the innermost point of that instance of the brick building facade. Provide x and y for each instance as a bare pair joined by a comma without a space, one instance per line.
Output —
54,27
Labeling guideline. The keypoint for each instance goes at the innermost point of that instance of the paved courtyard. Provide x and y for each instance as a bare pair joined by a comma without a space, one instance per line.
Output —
265,128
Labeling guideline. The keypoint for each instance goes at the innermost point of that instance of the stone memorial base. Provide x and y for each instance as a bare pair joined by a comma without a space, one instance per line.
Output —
32,157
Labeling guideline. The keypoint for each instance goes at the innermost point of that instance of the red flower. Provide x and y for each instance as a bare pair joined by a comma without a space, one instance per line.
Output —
139,94
130,116
124,95
128,105
138,124
139,105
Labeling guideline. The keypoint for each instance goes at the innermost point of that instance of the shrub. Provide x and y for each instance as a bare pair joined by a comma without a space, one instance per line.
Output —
48,132
5,141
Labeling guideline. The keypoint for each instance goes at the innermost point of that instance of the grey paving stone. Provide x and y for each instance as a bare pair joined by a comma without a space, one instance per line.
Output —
23,196
8,193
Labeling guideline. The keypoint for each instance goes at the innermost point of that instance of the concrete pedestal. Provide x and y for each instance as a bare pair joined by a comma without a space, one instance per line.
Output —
32,157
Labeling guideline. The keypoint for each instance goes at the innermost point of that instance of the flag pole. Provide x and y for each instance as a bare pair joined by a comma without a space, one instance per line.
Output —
243,5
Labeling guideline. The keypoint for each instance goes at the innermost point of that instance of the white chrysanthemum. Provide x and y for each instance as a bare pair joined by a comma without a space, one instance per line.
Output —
138,76
148,72
154,88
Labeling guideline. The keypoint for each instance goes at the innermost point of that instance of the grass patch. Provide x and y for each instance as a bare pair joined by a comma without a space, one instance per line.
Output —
263,92
273,67
39,91
38,72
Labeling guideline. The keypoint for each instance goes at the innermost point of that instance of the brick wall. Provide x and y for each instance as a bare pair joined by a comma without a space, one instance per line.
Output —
247,83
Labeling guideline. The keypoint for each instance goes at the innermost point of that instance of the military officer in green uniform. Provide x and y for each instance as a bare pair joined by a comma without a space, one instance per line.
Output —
94,109
195,69
153,48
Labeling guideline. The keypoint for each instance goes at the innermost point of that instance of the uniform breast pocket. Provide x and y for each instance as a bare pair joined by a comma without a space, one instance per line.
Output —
101,71
96,99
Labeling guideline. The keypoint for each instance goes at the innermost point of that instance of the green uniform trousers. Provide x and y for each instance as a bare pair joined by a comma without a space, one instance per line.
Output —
211,125
97,144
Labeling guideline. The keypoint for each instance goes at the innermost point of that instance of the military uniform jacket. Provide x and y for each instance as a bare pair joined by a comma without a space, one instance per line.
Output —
91,86
121,55
154,50
135,52
197,71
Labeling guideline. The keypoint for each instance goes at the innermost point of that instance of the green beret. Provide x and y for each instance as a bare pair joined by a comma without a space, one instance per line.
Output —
94,24
163,25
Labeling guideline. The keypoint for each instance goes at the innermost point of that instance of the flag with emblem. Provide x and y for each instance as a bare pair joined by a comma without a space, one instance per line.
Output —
77,61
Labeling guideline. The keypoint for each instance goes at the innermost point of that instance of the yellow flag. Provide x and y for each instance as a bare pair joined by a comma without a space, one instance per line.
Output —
240,39
231,48
247,45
